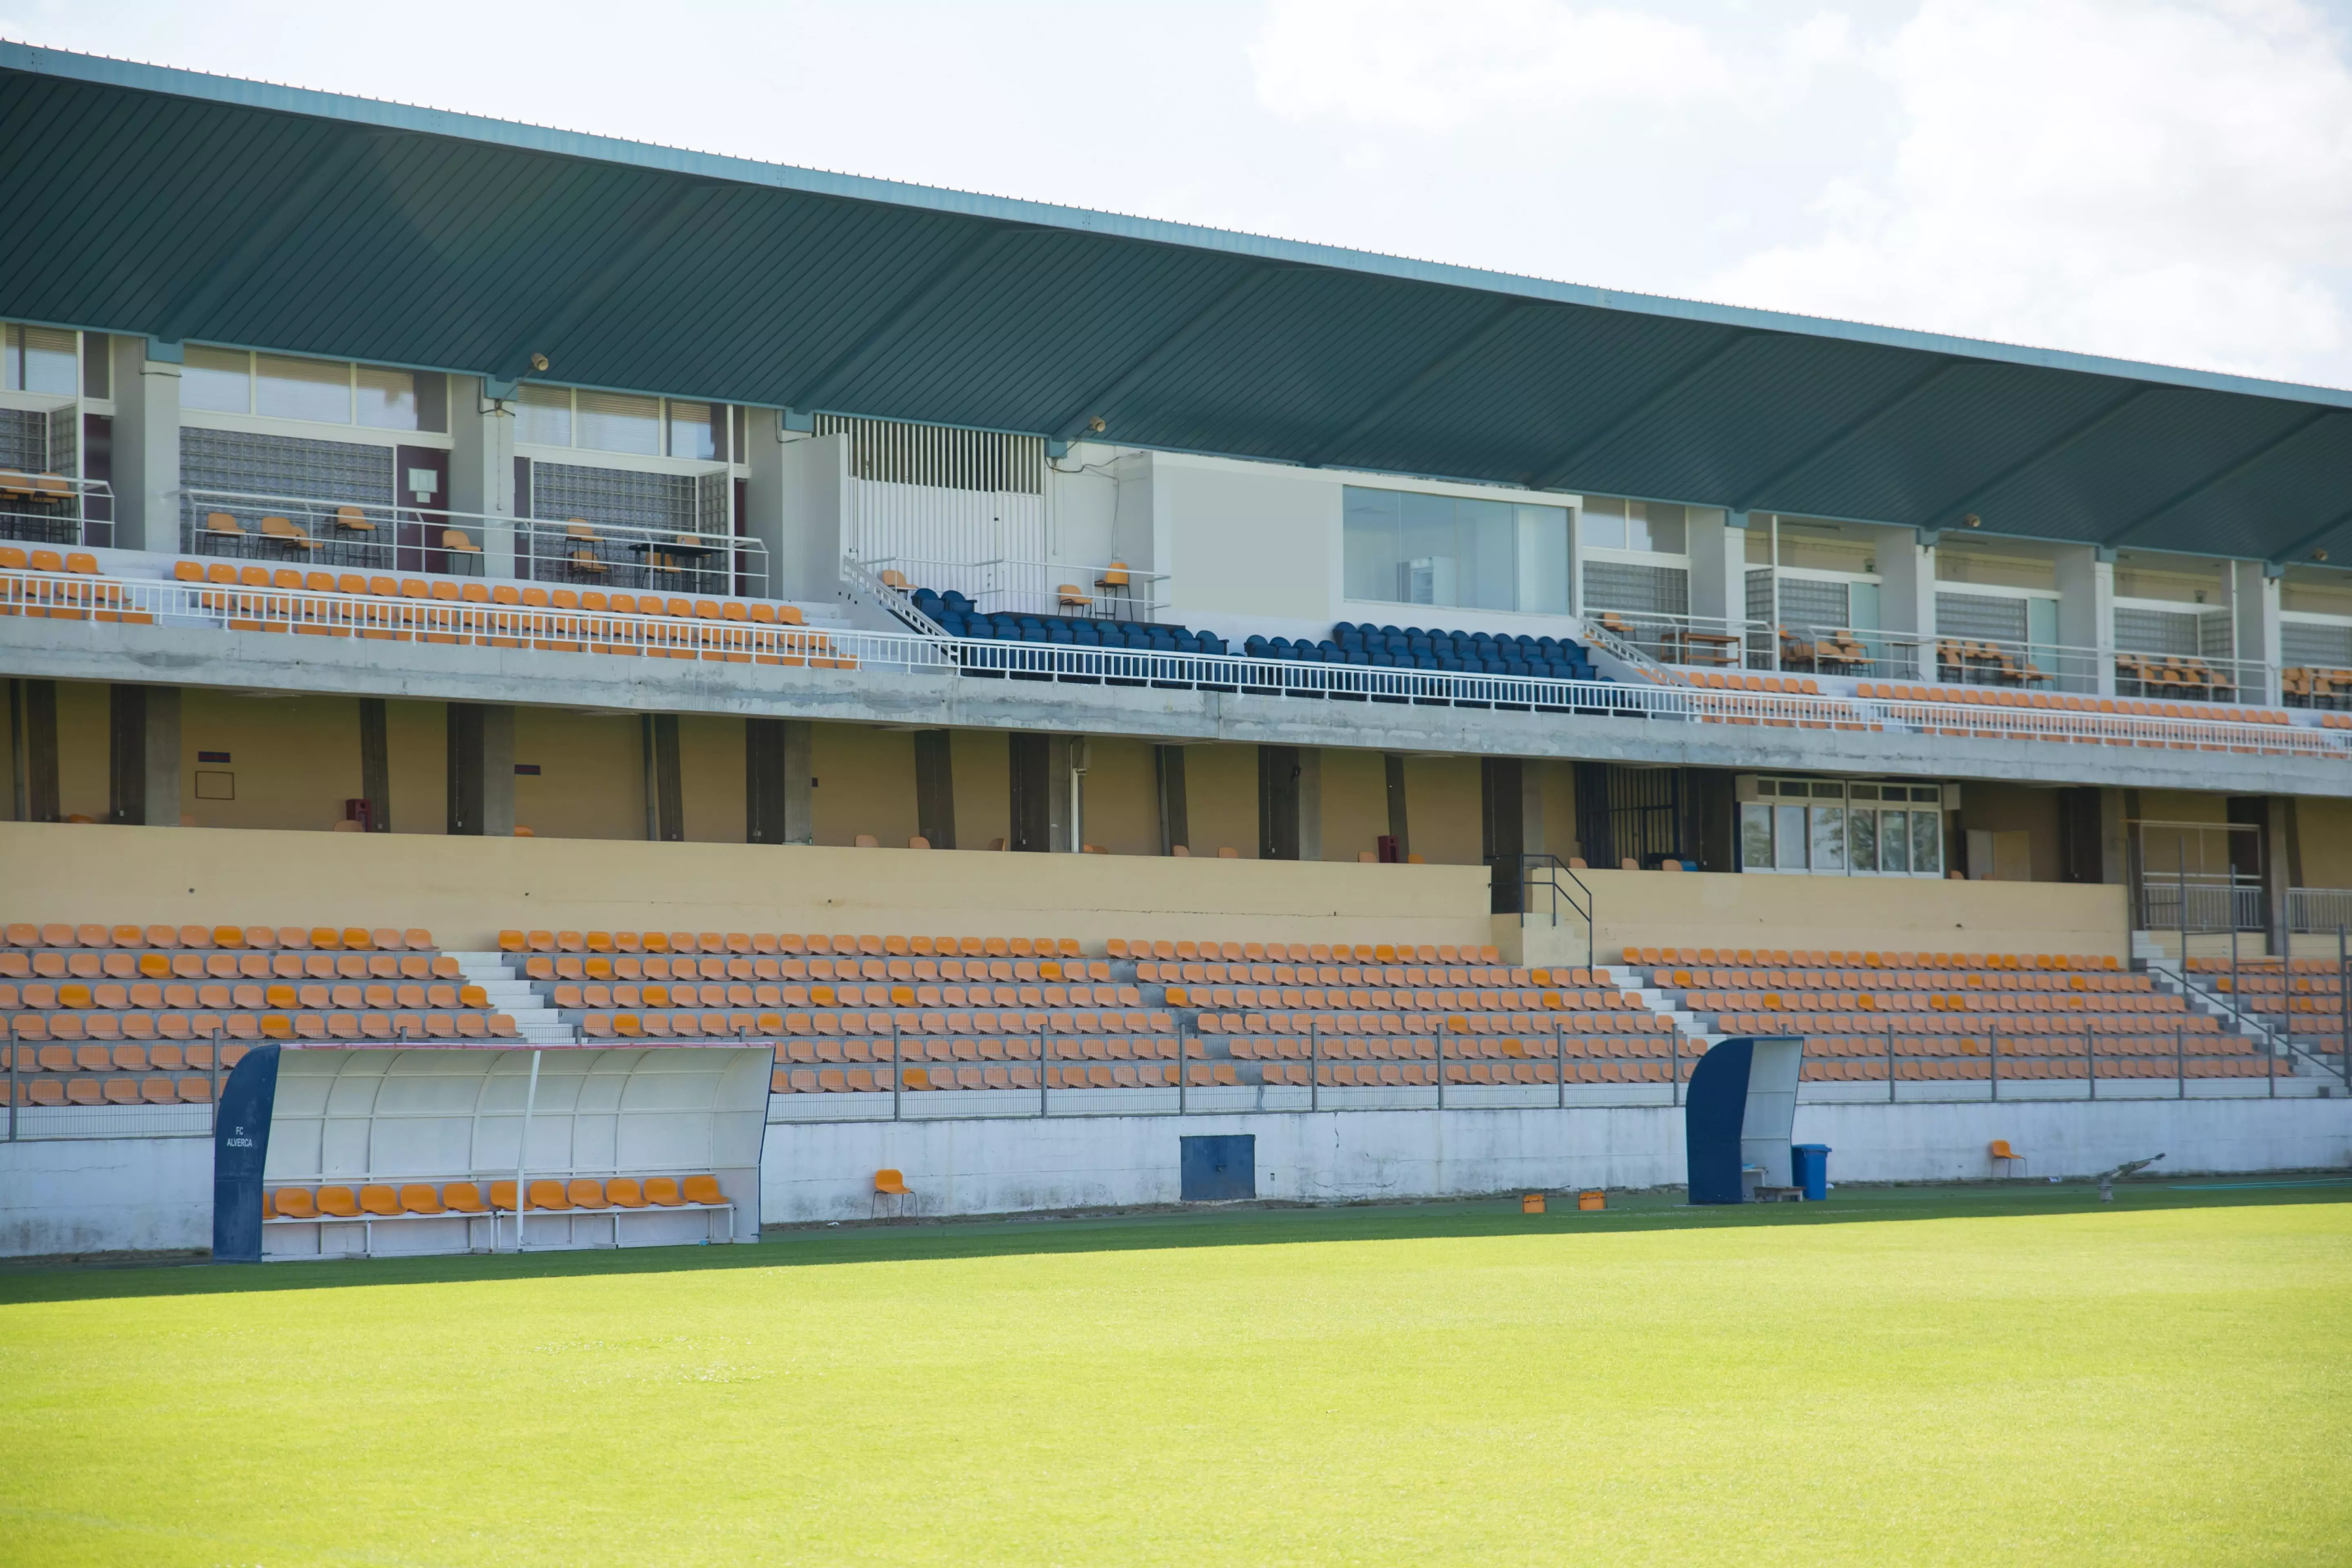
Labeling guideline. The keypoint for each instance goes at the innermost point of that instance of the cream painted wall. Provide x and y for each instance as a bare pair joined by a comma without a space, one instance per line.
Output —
2325,828
1556,784
982,761
1221,799
1442,807
866,783
1355,803
591,778
2015,808
295,760
465,890
711,784
1661,909
82,748
417,752
1122,798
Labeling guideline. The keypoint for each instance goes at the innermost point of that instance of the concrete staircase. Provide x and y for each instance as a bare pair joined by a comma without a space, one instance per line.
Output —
510,993
1666,1005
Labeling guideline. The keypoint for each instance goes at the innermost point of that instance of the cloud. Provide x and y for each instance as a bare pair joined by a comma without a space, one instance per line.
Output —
2168,182
1394,63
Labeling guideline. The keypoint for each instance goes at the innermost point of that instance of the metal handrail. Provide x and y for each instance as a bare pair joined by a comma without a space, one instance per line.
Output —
38,507
1544,870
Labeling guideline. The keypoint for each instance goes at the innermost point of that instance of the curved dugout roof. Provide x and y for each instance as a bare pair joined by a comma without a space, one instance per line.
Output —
184,206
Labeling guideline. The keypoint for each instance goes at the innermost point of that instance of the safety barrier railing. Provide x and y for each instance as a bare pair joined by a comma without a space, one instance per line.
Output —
282,606
32,1118
55,508
1542,895
1104,591
311,531
2318,909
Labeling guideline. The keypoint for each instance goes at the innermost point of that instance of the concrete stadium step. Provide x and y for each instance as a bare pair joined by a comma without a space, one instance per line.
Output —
510,993
2294,1061
1665,1004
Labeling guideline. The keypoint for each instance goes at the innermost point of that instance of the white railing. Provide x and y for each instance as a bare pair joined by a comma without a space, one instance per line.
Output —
56,509
1111,590
383,537
2318,909
289,600
1700,642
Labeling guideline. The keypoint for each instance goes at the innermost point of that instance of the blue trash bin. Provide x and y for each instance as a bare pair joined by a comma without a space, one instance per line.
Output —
1810,1163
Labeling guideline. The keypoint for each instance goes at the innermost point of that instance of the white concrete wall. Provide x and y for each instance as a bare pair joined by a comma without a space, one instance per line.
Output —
105,1195
144,1193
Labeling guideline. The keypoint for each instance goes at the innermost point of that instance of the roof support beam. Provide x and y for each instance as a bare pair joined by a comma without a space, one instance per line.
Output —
1551,476
1098,407
2317,535
944,280
585,298
2048,451
325,169
2208,485
1437,369
1853,430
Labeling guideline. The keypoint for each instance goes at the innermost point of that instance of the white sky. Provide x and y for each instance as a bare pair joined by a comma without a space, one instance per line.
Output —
2167,180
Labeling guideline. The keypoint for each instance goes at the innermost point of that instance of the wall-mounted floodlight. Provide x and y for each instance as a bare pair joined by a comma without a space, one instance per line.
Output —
539,362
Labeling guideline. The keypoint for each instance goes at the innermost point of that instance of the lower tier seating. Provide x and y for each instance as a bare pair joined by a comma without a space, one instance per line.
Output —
583,1194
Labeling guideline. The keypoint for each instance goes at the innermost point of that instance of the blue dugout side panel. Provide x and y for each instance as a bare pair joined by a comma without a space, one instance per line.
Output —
1740,1111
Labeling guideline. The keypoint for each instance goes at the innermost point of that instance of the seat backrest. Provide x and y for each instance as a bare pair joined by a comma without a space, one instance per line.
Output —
889,1182
663,1189
703,1190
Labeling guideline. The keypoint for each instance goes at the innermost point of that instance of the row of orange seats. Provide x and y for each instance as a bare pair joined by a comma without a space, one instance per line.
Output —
198,938
933,1079
623,967
2066,1026
262,1026
1349,1075
1302,952
1911,1001
2055,703
476,591
146,996
1749,957
1539,1047
1394,999
49,964
1484,975
117,1091
788,945
388,1201
159,1056
1882,981
1391,1025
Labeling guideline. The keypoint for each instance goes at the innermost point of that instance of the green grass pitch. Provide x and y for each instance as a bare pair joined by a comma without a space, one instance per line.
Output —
1997,1377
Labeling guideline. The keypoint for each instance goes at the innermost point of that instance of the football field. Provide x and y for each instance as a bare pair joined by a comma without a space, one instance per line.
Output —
2004,1375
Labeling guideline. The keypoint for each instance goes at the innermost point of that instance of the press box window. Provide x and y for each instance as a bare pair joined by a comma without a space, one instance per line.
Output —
1403,547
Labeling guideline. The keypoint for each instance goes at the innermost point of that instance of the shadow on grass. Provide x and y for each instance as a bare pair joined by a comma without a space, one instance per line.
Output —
1085,1231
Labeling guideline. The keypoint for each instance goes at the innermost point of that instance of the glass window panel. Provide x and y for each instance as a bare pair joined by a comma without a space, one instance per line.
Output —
41,359
615,422
1767,786
1485,537
1603,523
1755,834
387,397
1828,789
316,389
1828,838
690,434
217,380
1789,837
1637,525
1429,574
1895,841
1928,843
1369,523
1862,838
1543,560
1666,529
543,415
1862,791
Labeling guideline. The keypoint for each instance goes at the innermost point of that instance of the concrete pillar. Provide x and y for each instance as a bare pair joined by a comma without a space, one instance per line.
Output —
2254,608
1719,565
1040,792
1310,803
33,717
805,521
146,381
935,816
1906,601
481,770
375,765
481,469
1399,822
1279,778
764,493
2278,828
1175,818
162,756
2086,618
664,780
1502,802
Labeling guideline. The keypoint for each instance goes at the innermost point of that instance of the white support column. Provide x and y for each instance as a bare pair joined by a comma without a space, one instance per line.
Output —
1310,803
162,756
481,467
763,491
2254,609
811,516
1719,565
2086,612
145,375
1907,598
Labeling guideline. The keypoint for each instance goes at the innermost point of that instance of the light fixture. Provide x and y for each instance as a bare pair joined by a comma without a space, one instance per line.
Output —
1095,425
539,362
2319,555
1973,520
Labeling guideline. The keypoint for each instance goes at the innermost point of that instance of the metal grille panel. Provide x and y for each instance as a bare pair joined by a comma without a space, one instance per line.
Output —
238,461
624,498
1807,603
23,438
940,457
1636,590
1988,617
2308,643
2158,631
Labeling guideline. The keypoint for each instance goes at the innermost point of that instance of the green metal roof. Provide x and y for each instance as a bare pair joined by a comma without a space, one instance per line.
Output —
184,206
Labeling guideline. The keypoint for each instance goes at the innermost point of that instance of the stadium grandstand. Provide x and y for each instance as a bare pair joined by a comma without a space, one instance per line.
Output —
466,587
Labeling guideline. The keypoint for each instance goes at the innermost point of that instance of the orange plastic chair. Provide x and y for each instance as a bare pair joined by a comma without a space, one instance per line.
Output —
2002,1151
463,1198
293,1203
703,1190
418,1197
340,1202
549,1195
586,1193
624,1193
662,1192
379,1200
